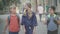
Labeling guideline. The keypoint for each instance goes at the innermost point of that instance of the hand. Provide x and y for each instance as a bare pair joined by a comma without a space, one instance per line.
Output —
24,30
34,30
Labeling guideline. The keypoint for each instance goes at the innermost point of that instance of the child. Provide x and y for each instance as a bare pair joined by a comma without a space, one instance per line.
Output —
29,20
40,9
52,21
12,22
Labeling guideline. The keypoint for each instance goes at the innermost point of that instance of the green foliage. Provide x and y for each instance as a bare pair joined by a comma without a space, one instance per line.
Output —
1,5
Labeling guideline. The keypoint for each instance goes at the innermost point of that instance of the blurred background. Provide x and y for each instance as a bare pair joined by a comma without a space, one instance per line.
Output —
41,28
4,4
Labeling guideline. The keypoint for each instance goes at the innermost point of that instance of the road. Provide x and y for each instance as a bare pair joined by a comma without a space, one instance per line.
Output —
40,29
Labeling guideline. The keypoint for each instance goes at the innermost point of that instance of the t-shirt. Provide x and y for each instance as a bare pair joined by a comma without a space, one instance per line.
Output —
14,24
40,9
52,26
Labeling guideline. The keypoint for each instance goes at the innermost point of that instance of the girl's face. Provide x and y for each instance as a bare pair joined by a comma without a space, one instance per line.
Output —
26,7
13,10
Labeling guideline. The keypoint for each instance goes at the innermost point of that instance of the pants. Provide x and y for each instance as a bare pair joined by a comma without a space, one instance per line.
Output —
40,16
13,32
53,32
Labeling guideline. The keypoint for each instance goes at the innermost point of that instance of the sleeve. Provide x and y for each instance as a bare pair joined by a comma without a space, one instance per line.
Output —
34,20
22,21
57,18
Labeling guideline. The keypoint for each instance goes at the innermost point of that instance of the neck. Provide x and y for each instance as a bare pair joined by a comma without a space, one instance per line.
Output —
29,9
13,14
52,14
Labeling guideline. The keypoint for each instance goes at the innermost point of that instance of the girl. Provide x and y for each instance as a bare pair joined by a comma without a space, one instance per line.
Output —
29,20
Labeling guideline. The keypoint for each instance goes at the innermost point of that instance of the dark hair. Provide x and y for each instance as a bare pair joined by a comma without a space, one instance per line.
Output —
52,7
29,5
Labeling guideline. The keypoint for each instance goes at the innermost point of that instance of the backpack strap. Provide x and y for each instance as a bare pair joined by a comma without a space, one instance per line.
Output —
8,19
18,18
48,21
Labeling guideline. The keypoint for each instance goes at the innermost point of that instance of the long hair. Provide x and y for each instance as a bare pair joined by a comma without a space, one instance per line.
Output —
29,5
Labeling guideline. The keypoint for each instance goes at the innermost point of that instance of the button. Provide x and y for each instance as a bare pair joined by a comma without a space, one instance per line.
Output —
29,27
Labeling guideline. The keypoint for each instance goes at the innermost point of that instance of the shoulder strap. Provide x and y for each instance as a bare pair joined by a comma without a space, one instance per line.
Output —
18,18
55,15
48,21
8,19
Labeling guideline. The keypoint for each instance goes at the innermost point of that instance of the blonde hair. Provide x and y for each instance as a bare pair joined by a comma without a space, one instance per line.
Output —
12,6
30,13
28,4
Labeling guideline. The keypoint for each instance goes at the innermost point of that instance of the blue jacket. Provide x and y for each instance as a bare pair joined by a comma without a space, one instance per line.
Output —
29,22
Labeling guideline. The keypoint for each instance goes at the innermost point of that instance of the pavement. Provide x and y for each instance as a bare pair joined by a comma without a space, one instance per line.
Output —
40,29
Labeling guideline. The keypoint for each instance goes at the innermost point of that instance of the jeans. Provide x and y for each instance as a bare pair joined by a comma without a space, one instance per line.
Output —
53,32
13,32
40,15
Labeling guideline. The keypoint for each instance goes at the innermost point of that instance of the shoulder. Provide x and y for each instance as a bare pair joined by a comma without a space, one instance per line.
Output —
56,17
8,16
48,15
33,13
23,16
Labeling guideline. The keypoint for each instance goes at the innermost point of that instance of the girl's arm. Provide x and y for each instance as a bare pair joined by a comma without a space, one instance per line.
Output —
22,23
34,23
34,30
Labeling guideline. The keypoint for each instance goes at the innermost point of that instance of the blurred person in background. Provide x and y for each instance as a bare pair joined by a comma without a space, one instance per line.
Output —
40,10
29,20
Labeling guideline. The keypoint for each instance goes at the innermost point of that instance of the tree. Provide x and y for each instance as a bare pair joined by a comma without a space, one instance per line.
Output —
1,5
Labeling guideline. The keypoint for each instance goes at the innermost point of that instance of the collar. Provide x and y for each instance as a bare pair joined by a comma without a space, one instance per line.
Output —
54,15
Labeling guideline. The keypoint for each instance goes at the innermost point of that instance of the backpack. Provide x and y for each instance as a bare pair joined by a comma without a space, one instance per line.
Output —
17,17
